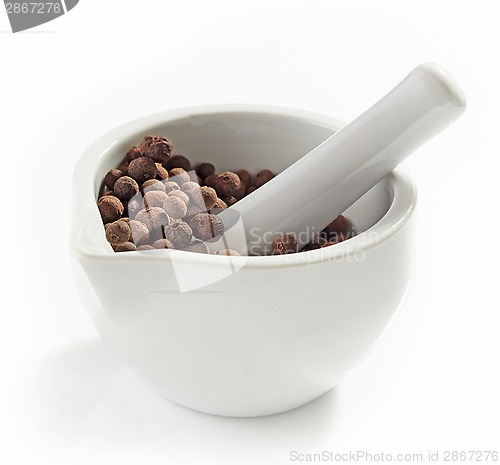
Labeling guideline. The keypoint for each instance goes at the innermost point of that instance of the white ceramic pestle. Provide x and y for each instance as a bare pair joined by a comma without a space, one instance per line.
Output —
305,197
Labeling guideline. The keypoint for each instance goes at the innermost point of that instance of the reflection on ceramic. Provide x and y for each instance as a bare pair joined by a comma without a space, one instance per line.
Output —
242,336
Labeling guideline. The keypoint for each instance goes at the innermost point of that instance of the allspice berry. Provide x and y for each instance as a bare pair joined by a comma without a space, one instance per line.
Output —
229,200
197,247
335,238
125,247
158,148
153,185
174,206
206,227
229,252
154,199
163,244
311,246
125,219
178,161
133,153
171,186
339,225
110,208
245,177
203,197
125,188
284,244
118,232
142,169
145,247
134,206
181,195
192,210
107,192
317,242
262,177
205,169
218,207
227,184
209,197
161,172
124,168
153,217
179,233
192,189
211,180
111,177
139,232
179,175
238,194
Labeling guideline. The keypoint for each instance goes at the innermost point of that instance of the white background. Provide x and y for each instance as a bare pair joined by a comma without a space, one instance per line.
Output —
432,384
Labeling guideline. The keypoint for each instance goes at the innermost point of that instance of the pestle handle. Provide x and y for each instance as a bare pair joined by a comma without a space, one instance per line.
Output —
331,177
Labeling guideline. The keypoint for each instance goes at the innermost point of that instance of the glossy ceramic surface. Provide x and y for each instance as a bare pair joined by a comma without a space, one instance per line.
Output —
242,336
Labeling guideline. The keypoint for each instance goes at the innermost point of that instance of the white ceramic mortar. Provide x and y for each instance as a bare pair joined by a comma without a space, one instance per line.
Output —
242,336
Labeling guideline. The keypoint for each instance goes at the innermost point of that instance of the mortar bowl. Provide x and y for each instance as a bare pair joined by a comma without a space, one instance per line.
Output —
242,336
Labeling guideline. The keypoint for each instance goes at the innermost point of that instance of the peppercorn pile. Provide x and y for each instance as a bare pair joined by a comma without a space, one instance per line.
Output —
156,200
